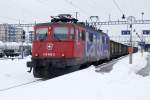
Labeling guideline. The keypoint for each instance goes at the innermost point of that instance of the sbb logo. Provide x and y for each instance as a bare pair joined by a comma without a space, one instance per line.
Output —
50,46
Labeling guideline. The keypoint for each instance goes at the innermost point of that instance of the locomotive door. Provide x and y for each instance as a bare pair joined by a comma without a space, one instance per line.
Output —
78,43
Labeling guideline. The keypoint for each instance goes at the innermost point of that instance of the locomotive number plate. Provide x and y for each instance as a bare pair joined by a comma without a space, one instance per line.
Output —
49,54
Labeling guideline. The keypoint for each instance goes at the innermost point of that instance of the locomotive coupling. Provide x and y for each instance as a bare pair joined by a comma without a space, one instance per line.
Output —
30,65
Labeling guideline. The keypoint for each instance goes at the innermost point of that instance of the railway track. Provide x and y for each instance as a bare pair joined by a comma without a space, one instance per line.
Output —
8,58
12,58
23,84
107,66
104,67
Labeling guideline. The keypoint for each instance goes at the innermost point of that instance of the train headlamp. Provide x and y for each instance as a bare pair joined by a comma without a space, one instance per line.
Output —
63,55
49,28
36,55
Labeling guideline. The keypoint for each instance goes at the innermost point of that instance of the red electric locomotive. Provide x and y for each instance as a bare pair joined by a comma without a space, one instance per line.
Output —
58,47
64,45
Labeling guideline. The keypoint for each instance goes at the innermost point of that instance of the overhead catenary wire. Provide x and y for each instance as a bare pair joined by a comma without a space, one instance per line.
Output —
9,18
67,1
91,5
45,3
75,6
118,7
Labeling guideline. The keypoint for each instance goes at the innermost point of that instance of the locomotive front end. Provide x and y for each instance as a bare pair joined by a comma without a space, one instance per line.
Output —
53,49
52,42
58,47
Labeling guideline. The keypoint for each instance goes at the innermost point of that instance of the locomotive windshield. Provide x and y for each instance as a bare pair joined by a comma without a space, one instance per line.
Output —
61,33
41,33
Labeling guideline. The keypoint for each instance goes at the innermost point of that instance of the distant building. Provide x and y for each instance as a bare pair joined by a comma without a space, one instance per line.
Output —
3,32
19,32
9,33
31,36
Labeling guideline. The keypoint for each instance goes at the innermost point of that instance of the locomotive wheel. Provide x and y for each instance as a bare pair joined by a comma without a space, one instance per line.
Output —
51,72
86,65
42,72
37,72
54,72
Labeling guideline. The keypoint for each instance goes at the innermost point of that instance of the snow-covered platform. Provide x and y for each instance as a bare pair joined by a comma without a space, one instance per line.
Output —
122,83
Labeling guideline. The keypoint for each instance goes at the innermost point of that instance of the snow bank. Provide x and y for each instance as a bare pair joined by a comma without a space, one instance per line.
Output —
14,72
123,69
122,83
1,45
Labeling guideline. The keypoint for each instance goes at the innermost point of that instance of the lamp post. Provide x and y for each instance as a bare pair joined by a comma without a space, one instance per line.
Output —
131,21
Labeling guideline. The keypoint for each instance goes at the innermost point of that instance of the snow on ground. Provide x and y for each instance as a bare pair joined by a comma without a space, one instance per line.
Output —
122,83
14,72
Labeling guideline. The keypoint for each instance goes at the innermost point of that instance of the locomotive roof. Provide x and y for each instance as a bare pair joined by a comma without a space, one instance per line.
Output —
81,24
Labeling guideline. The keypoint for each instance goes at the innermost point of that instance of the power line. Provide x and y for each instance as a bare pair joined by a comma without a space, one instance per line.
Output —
118,6
75,6
9,18
91,5
13,19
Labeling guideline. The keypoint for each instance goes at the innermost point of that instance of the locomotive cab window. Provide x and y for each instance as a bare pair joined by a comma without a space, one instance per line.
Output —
41,33
60,33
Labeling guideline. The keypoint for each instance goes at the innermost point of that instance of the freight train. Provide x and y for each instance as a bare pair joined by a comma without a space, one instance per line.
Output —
65,45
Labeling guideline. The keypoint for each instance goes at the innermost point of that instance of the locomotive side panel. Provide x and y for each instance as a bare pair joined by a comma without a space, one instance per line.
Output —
97,46
79,42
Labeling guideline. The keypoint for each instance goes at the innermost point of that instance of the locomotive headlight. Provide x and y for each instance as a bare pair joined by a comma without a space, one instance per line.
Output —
50,28
36,55
62,55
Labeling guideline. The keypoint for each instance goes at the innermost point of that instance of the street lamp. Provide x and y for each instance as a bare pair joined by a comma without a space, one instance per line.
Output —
131,20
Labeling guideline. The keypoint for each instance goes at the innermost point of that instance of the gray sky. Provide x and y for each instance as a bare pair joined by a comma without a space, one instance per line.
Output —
29,11
40,10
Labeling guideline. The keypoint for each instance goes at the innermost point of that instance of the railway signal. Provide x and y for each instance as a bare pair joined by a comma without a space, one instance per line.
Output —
125,32
146,32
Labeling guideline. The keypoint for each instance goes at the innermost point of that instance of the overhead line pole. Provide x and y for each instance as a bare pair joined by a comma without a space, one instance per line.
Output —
76,15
